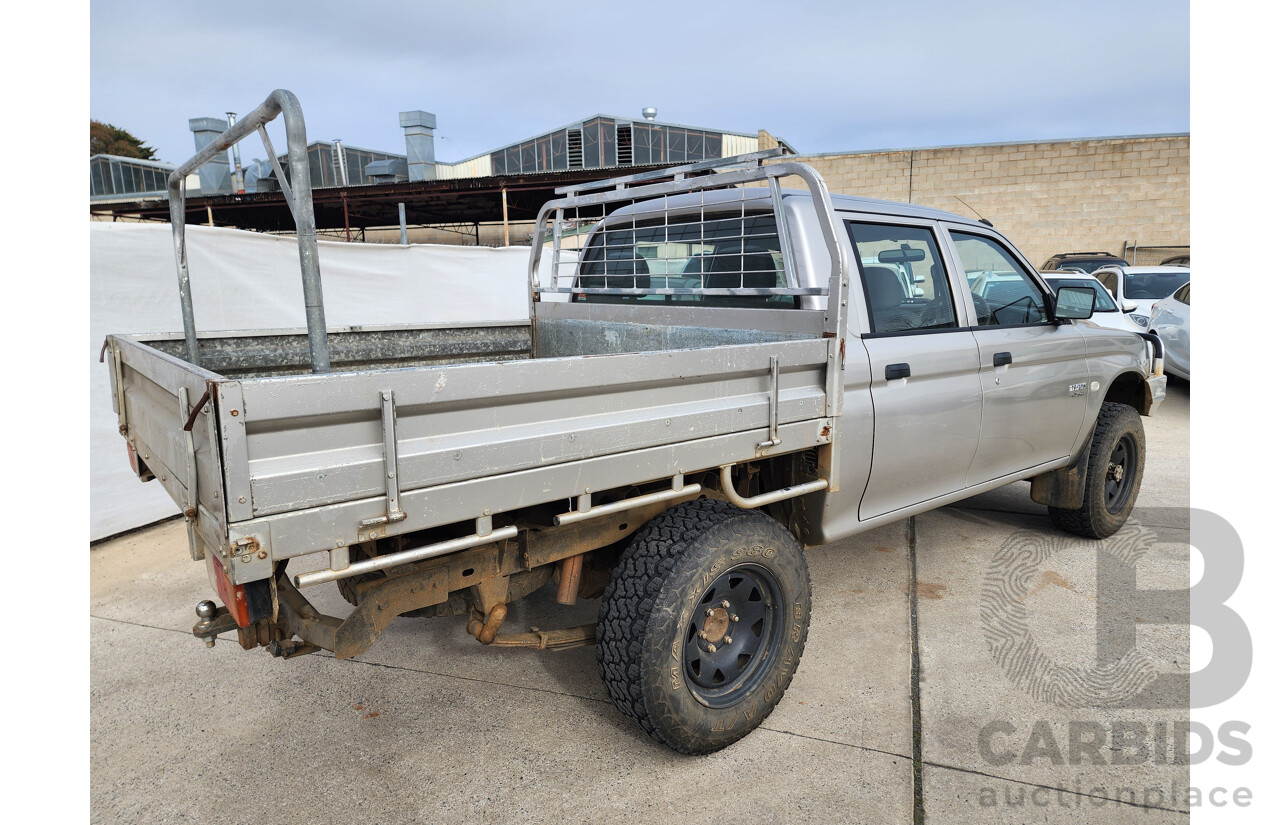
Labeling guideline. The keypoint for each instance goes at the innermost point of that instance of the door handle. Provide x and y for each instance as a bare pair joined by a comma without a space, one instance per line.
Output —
1002,359
893,371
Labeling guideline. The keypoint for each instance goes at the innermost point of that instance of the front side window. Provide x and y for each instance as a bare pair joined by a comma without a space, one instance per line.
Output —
903,278
1108,280
1004,293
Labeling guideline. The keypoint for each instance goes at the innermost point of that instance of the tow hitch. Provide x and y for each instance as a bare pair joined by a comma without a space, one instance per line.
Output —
213,620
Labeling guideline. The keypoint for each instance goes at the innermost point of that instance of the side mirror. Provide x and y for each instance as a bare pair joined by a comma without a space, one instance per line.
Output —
1129,306
1074,303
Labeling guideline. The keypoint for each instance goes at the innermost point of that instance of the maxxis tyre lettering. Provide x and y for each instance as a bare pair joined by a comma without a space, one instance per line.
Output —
1093,519
648,604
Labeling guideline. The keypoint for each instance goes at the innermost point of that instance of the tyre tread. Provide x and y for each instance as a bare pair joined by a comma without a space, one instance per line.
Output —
1090,520
629,600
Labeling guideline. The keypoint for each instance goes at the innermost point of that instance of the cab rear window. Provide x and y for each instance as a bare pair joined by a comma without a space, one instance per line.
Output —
686,255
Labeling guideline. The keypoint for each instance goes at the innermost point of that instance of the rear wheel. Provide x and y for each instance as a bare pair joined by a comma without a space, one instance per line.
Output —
703,624
1113,475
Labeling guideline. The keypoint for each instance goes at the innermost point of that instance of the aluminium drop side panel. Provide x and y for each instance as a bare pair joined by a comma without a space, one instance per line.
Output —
321,528
150,384
314,441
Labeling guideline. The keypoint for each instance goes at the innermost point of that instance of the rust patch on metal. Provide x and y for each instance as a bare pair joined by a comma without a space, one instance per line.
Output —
549,639
570,580
492,623
191,419
716,625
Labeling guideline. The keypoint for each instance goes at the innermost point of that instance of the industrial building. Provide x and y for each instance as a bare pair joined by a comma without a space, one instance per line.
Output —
474,200
603,142
116,178
1110,193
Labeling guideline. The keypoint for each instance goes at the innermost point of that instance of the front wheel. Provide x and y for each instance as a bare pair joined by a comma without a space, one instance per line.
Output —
1113,474
703,623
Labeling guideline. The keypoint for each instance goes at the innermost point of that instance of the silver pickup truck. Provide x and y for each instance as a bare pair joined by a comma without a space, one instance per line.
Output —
718,373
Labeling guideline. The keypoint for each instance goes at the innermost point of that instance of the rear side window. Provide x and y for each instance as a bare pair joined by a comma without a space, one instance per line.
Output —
686,254
902,277
1004,293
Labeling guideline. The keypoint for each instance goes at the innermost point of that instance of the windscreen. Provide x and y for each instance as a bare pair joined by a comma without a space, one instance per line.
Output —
1152,286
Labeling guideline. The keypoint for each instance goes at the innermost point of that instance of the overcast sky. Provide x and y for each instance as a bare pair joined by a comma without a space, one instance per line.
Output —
825,75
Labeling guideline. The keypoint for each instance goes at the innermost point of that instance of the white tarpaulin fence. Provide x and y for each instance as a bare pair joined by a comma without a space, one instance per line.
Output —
246,280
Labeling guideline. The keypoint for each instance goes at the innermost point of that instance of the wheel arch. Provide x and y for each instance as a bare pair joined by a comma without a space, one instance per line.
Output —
1130,388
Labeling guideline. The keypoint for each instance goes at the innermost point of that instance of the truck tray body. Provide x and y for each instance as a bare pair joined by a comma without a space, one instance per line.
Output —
299,463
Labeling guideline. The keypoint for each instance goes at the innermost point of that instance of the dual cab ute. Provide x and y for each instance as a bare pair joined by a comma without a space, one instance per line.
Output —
719,373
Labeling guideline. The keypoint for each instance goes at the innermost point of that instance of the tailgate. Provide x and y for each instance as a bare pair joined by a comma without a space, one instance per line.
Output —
153,395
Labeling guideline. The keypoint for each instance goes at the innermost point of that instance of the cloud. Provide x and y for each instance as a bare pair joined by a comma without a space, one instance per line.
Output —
828,76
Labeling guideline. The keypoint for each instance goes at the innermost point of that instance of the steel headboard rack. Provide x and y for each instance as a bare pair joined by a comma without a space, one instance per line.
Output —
648,199
298,197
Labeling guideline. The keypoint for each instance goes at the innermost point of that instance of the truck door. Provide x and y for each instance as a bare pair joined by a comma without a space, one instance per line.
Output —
925,393
1034,372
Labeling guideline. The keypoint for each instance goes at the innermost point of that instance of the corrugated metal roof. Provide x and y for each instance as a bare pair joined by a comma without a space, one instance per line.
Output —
155,164
573,124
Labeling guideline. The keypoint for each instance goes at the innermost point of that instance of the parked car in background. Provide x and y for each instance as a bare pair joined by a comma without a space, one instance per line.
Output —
1171,320
1177,260
1085,262
1106,313
1142,286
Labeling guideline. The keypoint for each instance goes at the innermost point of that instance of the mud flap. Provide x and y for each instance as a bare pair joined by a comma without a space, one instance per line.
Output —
1064,487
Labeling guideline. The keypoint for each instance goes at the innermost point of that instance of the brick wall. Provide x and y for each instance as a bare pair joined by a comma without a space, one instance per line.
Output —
1063,196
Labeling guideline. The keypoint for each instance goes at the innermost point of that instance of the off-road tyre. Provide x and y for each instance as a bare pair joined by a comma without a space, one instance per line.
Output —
1108,501
669,585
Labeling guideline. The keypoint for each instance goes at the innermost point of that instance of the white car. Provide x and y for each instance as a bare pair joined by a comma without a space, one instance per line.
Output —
1141,286
1105,311
1171,320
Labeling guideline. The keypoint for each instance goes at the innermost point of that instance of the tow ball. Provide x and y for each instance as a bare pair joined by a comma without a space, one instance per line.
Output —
213,620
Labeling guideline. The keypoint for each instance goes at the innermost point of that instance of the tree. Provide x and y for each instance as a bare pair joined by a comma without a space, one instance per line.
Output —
105,139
